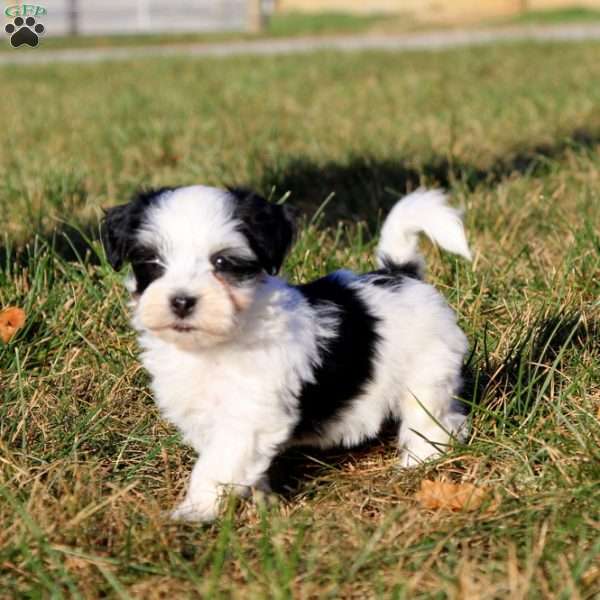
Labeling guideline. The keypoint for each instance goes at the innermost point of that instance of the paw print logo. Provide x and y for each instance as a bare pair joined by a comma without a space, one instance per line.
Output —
24,31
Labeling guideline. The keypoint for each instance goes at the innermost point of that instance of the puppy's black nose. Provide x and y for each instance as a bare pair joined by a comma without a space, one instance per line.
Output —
182,305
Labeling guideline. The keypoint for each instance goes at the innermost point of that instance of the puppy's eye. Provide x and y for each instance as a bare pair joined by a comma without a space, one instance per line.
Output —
144,256
147,267
152,266
222,263
235,268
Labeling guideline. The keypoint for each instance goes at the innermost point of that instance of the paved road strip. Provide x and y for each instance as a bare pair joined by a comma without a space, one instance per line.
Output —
417,41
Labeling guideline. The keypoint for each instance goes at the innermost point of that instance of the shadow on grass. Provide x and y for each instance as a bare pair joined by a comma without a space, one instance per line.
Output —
534,359
293,469
364,187
71,243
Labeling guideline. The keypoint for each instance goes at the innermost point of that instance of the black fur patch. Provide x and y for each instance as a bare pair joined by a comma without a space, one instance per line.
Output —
234,268
269,228
346,363
146,267
392,274
118,234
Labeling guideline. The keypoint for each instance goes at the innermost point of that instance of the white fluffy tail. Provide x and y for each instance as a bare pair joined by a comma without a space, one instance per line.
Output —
421,211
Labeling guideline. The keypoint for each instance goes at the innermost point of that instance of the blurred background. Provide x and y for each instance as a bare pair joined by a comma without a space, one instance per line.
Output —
289,17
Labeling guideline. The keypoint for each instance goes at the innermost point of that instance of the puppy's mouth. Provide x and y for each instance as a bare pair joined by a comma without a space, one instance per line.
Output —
182,328
185,328
179,327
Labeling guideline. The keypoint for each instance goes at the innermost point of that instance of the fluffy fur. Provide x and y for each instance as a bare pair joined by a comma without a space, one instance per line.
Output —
246,364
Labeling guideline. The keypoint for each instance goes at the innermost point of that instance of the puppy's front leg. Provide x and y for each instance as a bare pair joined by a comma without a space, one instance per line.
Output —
228,464
201,502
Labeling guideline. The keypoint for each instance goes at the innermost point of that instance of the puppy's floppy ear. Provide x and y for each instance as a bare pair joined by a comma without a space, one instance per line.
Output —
269,228
120,223
116,233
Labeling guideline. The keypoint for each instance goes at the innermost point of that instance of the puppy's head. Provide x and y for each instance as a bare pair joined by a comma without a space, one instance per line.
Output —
198,255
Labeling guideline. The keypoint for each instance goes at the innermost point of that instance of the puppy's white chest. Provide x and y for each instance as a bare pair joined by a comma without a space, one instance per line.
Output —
192,392
203,394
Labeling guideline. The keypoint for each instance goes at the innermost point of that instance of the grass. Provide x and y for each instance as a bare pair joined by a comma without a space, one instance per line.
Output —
87,466
572,14
307,23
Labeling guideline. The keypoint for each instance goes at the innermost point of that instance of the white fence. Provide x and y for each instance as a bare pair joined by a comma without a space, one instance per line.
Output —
93,17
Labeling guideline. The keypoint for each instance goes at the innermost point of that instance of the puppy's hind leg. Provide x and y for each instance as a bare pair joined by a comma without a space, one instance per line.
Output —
431,419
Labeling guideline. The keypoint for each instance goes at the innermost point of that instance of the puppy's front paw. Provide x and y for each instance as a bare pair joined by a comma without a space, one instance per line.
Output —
195,512
418,453
410,461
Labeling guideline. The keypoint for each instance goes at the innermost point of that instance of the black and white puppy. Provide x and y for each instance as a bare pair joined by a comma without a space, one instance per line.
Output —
246,364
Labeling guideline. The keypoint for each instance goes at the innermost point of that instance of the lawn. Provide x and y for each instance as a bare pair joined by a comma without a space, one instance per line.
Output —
574,14
87,467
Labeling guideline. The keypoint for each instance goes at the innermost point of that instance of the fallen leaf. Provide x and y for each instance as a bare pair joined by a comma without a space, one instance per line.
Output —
450,496
591,575
11,320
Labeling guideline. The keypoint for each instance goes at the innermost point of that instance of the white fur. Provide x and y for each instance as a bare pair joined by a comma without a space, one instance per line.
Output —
231,385
417,374
421,211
